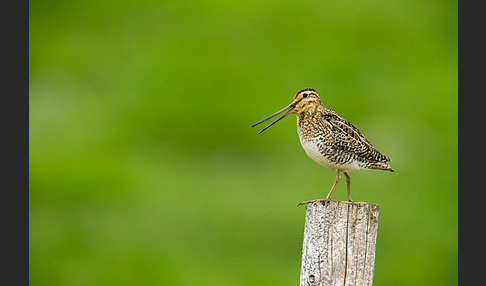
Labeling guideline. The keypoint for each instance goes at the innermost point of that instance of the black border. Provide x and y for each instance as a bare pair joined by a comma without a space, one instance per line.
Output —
15,139
471,189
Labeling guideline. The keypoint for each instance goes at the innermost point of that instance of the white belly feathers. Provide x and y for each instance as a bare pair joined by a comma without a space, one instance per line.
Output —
312,150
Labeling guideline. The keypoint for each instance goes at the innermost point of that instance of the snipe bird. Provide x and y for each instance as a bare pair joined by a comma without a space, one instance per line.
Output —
329,139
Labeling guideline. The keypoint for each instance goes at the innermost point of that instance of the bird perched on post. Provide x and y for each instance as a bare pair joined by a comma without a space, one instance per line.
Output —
329,139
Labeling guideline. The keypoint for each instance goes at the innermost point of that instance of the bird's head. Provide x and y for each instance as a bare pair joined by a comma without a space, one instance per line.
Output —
303,100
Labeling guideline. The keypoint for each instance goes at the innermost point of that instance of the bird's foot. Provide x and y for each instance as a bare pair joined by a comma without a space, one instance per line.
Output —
313,201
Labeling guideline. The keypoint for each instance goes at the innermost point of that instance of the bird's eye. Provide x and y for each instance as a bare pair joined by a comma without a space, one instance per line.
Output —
305,95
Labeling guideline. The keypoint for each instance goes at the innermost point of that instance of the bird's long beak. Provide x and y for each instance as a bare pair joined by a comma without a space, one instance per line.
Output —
289,109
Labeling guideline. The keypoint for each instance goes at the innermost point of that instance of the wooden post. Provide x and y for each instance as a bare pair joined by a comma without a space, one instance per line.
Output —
339,243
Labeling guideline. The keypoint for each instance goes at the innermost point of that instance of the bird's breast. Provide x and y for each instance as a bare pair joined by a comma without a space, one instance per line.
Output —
310,143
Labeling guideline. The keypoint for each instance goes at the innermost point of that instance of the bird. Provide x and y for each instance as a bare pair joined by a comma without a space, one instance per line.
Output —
330,140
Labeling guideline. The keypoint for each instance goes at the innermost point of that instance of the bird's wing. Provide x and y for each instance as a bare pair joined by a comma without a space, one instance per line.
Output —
348,138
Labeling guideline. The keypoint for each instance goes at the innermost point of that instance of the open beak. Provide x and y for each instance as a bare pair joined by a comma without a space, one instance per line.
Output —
289,109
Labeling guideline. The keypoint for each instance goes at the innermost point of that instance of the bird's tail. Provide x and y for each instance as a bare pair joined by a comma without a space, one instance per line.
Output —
382,166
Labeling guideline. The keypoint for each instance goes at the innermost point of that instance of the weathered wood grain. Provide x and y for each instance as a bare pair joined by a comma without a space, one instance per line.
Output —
339,243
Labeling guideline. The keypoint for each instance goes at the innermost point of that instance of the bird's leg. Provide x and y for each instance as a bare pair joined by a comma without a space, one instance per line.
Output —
348,181
328,197
338,177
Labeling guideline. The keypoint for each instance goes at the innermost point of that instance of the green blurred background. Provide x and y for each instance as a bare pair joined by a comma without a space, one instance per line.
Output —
144,169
